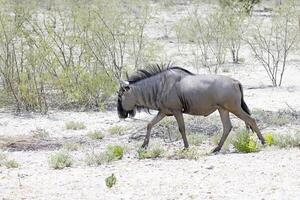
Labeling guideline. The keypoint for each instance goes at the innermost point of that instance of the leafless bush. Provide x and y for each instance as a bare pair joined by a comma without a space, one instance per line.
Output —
272,45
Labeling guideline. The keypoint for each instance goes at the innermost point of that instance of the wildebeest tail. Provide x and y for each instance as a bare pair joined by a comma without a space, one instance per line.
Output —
245,107
243,103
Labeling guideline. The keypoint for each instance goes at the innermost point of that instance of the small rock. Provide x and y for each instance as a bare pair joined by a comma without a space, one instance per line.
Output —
210,167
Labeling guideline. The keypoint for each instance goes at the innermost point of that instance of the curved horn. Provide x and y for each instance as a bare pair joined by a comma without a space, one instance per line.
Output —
124,83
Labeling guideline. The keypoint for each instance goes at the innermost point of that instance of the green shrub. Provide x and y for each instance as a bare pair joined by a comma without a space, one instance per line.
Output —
60,160
110,181
155,151
117,151
243,143
112,153
95,135
75,125
269,138
11,164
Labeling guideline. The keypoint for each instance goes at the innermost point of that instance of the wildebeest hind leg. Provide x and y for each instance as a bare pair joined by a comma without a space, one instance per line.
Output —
181,126
224,114
251,122
154,121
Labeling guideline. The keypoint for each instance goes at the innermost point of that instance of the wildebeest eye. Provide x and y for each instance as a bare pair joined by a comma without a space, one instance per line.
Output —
126,88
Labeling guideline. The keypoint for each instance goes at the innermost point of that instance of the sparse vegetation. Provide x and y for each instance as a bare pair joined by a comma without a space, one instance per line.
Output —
269,138
286,140
40,133
191,153
244,143
95,135
72,125
73,51
71,146
154,151
272,45
3,158
110,181
11,164
280,118
216,139
246,5
117,151
116,130
112,153
196,139
60,160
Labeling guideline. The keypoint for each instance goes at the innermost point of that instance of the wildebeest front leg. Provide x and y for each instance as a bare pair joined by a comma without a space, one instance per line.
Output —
154,121
224,114
181,126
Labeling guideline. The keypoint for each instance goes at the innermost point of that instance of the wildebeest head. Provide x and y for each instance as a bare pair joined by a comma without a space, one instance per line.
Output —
126,101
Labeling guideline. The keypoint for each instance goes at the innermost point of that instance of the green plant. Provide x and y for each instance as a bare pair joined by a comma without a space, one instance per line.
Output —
116,130
79,63
117,151
110,181
60,160
71,146
155,151
95,135
269,138
75,125
11,164
244,143
112,153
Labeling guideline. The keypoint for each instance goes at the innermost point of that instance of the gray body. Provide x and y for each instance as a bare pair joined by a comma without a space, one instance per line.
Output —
174,91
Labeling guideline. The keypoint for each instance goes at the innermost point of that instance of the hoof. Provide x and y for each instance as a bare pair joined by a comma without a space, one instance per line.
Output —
263,142
144,147
185,148
216,150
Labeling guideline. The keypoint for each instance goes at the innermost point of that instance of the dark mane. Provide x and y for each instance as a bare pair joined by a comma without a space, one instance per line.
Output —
152,70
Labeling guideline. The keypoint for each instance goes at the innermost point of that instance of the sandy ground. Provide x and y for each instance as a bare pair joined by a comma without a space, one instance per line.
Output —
263,175
268,174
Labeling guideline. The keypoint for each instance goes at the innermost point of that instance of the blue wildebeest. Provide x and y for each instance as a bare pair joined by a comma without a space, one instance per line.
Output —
174,91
